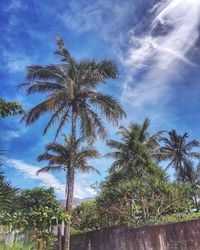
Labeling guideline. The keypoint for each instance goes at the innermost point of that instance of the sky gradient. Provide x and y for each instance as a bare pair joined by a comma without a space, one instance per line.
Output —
155,44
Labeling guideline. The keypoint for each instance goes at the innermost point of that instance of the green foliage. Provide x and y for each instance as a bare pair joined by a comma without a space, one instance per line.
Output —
172,218
85,217
10,108
136,200
137,191
35,210
7,192
134,148
178,151
17,246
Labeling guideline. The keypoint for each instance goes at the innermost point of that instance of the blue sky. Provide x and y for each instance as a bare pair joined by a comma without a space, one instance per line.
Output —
155,43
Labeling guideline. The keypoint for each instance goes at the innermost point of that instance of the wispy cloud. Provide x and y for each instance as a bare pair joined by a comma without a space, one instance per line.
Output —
15,62
106,19
15,5
159,52
82,188
91,16
45,179
9,135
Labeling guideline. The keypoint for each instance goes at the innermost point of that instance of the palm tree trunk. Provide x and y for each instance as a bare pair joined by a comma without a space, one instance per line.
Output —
40,245
196,203
59,246
70,183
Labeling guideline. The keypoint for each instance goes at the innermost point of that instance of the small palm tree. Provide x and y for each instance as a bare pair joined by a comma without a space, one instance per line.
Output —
72,98
134,147
191,174
177,150
58,156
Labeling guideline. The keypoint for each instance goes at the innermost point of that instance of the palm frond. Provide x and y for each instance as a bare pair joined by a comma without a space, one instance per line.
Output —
40,109
91,124
92,73
43,87
7,193
88,153
53,119
63,120
108,106
87,168
50,169
45,73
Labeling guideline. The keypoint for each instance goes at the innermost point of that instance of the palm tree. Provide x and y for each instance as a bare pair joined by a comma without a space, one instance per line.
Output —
58,156
191,174
72,96
135,145
178,150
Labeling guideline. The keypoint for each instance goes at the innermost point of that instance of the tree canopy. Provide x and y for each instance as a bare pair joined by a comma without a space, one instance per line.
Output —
10,108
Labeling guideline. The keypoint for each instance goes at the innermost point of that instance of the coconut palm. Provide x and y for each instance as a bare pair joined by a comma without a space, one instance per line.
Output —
191,174
72,98
177,150
58,157
135,145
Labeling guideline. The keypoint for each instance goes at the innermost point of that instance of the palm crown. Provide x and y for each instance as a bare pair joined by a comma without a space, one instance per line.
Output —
134,146
71,87
59,157
177,150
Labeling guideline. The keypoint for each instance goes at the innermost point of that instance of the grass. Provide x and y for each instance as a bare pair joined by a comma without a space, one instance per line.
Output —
16,246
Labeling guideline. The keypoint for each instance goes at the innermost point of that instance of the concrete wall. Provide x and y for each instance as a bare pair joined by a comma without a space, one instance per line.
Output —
177,236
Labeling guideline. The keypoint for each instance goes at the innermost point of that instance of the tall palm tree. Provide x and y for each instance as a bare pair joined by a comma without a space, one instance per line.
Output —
135,145
177,150
72,97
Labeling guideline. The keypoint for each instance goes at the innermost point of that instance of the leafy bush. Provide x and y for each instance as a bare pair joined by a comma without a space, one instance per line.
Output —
174,218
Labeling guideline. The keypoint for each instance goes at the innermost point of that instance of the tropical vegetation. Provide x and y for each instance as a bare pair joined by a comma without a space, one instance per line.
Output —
140,187
73,100
138,191
35,214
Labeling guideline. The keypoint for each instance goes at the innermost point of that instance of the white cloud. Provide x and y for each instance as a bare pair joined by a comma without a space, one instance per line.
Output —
106,19
9,135
16,63
15,5
82,188
160,52
46,179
